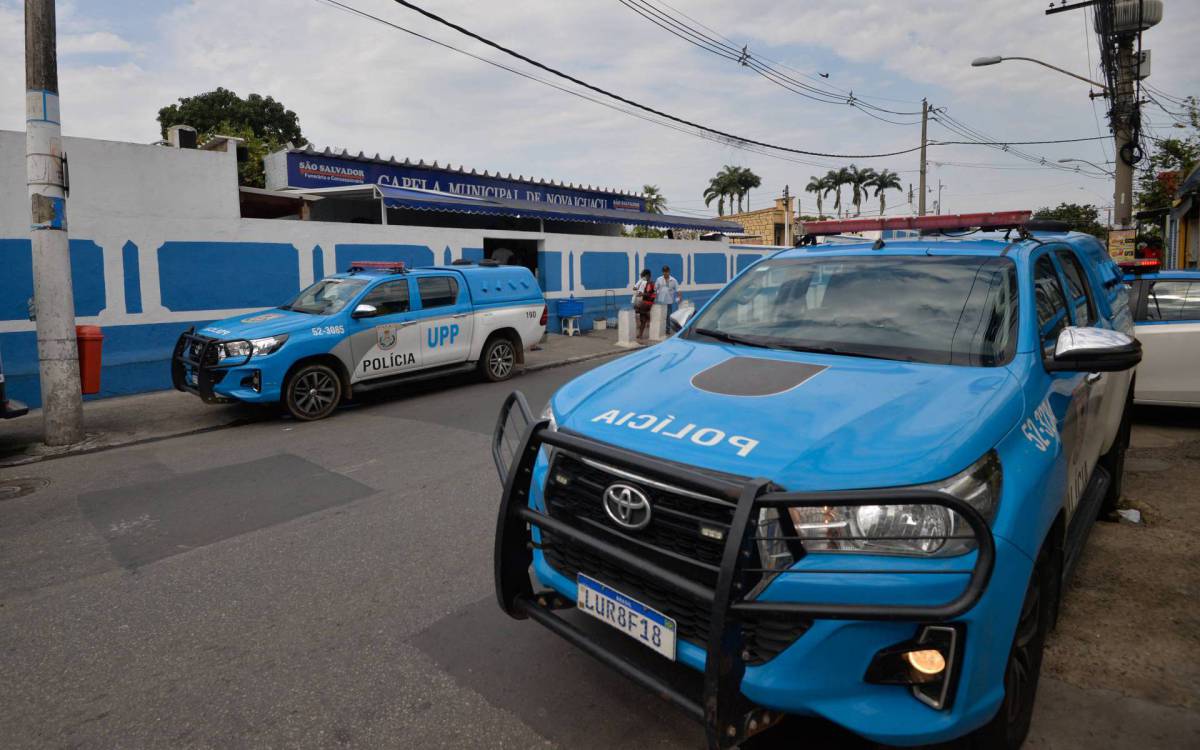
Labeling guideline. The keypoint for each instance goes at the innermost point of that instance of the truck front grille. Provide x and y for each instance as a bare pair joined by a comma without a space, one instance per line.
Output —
682,535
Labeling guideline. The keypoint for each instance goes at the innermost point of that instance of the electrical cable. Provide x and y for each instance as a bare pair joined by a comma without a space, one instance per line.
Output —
625,100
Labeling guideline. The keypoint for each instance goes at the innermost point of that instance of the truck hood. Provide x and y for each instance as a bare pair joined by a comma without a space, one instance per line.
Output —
806,421
270,322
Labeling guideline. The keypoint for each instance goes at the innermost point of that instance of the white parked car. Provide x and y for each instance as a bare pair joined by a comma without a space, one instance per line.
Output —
1166,308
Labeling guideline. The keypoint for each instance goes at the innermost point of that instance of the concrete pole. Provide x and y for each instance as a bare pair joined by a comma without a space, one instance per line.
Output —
787,218
58,357
924,132
1124,107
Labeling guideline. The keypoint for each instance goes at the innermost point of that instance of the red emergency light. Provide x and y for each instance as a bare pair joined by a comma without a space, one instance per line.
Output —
941,222
394,266
1140,265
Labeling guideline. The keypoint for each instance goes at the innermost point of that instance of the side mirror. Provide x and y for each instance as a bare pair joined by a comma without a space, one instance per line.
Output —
1094,350
365,311
680,317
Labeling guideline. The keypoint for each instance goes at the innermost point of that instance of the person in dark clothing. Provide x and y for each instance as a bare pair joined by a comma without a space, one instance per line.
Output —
643,300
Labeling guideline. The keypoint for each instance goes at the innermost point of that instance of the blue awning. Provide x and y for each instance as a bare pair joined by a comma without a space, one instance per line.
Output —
428,200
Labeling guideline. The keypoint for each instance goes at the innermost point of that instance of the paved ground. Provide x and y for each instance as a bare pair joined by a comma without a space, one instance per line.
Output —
329,584
153,416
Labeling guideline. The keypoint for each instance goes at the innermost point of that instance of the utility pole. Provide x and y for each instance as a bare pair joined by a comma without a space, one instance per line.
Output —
787,218
1124,109
939,200
924,131
58,357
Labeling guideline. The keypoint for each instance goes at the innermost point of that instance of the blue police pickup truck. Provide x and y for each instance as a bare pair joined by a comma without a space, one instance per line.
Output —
376,325
851,486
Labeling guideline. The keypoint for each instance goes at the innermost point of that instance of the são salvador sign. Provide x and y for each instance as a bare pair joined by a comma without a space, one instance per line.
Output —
315,171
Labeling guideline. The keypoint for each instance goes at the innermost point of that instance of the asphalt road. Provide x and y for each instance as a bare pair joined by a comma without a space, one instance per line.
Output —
313,585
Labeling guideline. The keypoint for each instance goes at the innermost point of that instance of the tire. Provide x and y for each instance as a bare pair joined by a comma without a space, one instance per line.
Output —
499,359
1114,461
312,392
1008,729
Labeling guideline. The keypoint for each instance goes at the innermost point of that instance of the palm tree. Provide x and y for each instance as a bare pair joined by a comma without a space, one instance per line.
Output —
716,190
656,202
834,180
883,182
816,186
746,179
729,177
859,180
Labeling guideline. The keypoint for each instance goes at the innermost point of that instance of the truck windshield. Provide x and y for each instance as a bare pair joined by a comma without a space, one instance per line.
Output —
942,310
327,296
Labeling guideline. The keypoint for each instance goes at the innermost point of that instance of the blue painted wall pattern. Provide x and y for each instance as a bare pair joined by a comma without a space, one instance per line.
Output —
196,282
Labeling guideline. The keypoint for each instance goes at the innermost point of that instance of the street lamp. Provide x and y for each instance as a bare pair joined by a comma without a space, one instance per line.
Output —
979,62
1085,161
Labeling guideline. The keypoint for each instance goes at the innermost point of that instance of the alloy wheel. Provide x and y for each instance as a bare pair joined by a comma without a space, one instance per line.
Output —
1023,664
501,360
314,392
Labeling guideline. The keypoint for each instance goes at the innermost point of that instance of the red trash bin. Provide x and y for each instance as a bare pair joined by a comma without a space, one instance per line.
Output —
89,340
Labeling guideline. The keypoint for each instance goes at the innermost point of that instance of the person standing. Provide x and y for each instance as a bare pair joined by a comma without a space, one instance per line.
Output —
643,299
667,291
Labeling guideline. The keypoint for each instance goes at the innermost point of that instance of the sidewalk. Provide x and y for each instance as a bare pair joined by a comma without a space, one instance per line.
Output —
145,417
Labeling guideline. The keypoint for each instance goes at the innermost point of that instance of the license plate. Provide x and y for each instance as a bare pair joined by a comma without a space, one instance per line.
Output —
651,627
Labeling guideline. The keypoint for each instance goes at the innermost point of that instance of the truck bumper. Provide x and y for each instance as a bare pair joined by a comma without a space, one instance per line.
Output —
837,620
196,368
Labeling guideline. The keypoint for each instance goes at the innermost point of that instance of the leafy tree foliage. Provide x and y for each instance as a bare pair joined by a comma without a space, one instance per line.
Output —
264,123
1081,218
1171,161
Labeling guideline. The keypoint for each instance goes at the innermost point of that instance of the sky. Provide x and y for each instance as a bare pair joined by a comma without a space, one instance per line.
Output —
360,85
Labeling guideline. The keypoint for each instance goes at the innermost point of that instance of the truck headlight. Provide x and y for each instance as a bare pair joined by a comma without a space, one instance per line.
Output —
886,529
548,413
258,347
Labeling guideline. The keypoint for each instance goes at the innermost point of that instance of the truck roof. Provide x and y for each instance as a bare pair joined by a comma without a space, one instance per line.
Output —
979,243
488,284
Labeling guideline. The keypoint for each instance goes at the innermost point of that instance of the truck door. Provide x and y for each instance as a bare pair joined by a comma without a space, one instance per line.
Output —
1169,329
445,320
1059,421
1106,390
386,343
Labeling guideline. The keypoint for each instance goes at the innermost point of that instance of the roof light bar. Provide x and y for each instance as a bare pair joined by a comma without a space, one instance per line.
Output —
994,220
395,266
1140,265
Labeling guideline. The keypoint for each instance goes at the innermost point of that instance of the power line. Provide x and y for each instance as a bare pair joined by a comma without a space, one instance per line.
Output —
745,58
1015,143
633,103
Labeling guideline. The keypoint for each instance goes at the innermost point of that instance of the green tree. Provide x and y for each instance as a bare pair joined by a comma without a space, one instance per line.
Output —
656,202
722,186
745,180
859,180
1172,159
1081,218
883,182
264,123
817,186
835,180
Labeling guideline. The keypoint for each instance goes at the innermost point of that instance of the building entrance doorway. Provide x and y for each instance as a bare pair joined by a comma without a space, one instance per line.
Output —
512,252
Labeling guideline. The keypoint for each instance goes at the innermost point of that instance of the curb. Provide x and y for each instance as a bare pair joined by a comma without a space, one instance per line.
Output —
87,446
573,360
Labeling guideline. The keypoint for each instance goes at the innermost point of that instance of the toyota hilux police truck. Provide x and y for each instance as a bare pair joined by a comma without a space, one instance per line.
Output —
376,325
850,487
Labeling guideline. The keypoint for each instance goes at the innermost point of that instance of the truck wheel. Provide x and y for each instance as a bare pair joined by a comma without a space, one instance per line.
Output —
1114,461
1007,730
499,359
313,392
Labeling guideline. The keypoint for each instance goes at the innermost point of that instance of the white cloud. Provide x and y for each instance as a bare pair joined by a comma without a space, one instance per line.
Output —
358,84
94,42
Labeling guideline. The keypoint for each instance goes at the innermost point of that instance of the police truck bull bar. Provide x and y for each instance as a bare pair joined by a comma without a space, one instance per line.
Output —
202,355
728,716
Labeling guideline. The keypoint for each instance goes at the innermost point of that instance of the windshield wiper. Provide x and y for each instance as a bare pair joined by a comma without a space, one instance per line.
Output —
733,338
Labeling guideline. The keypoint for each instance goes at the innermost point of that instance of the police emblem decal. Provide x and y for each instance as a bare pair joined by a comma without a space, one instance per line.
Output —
387,337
